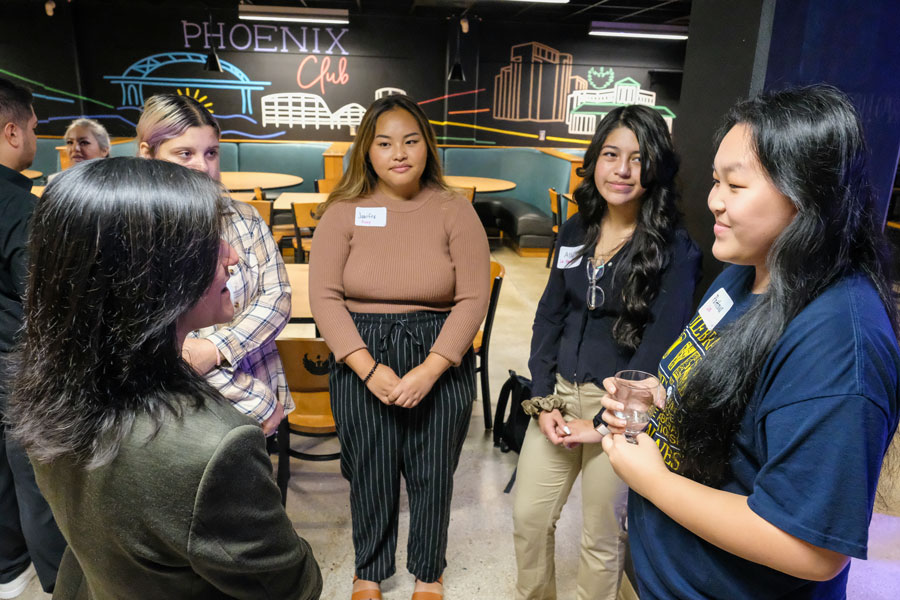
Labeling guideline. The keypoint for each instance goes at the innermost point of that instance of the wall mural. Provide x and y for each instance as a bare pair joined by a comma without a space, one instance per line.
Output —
315,82
538,86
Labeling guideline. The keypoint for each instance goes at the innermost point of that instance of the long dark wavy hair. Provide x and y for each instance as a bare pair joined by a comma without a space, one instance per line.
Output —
119,250
810,143
641,269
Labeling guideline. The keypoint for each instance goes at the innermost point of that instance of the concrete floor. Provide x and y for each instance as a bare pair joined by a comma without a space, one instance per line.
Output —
481,561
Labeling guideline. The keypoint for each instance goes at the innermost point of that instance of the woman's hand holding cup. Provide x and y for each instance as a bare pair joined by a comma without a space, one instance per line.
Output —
635,393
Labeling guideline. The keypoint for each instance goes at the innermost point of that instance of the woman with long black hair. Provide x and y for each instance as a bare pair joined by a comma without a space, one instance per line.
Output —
161,489
758,478
621,288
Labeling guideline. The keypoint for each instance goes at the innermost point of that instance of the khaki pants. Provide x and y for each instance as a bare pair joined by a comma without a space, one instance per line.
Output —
545,477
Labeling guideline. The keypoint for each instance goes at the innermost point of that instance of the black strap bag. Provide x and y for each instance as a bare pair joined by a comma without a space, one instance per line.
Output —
509,429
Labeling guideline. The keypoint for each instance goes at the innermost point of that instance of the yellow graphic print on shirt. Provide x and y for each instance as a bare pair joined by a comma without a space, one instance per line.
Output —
674,369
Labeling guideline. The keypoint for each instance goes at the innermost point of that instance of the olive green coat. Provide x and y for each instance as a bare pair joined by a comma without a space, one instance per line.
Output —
190,513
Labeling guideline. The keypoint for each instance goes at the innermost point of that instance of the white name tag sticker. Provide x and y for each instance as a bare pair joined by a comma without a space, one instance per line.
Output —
568,257
715,308
371,216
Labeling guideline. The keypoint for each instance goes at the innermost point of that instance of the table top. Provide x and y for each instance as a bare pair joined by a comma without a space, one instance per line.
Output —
37,190
248,180
481,184
298,276
31,173
298,330
284,201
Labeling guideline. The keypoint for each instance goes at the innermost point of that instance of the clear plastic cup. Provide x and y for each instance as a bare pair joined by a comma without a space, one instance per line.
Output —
638,391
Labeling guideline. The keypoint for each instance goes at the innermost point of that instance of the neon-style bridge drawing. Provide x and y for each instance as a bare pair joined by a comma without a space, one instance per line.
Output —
138,75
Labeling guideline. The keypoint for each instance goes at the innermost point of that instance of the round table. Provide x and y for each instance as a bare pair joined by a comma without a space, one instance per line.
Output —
248,180
481,184
31,173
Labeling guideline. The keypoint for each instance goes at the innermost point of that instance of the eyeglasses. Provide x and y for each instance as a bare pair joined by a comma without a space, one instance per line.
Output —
595,295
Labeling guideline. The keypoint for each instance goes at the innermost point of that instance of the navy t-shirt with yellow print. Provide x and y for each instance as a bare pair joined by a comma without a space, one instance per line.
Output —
808,451
691,346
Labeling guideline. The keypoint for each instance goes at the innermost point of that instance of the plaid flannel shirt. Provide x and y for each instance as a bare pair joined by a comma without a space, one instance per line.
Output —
251,375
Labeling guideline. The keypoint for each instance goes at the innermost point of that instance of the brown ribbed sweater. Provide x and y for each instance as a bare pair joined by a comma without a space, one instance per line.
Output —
431,254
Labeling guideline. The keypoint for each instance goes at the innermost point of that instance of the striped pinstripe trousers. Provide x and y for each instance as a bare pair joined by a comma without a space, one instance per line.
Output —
379,443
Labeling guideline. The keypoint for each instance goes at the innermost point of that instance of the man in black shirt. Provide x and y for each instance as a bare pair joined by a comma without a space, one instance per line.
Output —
28,532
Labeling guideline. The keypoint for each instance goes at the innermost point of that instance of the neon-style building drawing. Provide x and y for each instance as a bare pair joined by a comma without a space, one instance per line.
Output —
584,108
388,91
300,108
534,85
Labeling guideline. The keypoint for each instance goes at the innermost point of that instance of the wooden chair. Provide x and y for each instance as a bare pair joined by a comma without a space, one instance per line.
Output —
305,363
326,186
257,199
305,222
264,208
483,340
571,206
468,192
242,196
555,211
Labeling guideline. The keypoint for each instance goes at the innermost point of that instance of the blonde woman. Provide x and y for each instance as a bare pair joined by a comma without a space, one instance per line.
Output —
86,139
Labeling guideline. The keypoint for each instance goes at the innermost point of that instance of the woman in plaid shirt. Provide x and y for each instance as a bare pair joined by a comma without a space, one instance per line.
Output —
238,358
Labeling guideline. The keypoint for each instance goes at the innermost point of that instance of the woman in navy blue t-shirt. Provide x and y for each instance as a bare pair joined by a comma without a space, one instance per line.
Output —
758,479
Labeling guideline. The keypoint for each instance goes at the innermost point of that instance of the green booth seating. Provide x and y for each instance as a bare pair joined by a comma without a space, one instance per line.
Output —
304,160
129,148
46,156
523,214
228,156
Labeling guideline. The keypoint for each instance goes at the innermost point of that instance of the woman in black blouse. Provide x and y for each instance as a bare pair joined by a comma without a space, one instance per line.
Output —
620,290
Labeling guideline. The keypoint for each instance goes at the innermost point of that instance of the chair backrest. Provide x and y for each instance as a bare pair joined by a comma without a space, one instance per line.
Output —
554,206
498,272
305,363
468,192
304,215
263,207
571,209
326,186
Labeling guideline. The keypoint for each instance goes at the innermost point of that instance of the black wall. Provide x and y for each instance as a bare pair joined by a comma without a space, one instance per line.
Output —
856,47
719,68
737,49
78,60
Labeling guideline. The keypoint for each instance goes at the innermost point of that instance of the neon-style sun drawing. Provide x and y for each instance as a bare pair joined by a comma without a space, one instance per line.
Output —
196,96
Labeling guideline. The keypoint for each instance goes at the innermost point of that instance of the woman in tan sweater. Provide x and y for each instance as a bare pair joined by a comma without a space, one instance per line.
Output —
399,284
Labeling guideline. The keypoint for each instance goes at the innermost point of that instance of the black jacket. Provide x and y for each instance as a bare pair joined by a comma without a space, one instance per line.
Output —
578,344
16,206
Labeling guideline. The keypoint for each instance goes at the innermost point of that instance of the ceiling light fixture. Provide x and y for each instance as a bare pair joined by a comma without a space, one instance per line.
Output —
456,71
638,30
292,14
212,62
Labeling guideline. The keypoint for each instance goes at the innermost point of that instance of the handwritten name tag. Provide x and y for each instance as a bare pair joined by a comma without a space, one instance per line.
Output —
568,257
371,216
715,308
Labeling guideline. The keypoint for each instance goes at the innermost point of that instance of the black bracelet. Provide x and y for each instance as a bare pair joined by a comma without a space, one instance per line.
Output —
372,372
598,418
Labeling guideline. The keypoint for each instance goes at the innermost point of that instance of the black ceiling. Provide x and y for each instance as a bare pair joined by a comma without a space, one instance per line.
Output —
575,12
671,12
